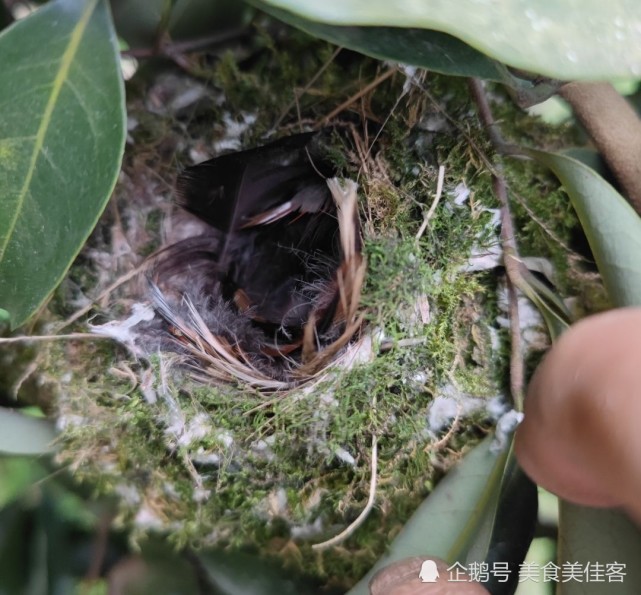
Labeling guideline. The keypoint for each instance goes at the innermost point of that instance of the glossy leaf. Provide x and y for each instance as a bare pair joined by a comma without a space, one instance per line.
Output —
557,38
62,133
433,50
25,435
446,524
611,225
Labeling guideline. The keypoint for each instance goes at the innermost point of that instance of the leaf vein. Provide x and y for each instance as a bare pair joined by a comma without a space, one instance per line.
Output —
58,82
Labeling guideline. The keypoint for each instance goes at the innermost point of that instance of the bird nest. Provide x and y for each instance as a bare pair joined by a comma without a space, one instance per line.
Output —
268,293
271,393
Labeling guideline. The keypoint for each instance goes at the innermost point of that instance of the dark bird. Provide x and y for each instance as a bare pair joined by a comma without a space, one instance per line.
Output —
270,289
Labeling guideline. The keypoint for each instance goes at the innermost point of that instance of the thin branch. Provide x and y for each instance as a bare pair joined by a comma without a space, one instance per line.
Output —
546,229
360,519
117,283
513,277
450,432
510,251
176,48
298,93
17,385
349,530
437,198
364,91
389,344
44,338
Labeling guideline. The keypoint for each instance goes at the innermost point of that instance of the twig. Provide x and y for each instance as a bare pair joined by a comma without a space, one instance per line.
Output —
298,93
349,530
549,232
17,385
174,48
364,91
510,250
513,277
43,338
437,198
450,432
117,283
486,116
366,155
389,344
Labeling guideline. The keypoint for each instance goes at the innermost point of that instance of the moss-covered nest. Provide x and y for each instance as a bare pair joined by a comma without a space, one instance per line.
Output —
280,471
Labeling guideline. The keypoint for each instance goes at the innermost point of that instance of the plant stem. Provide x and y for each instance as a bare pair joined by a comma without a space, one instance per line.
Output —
615,129
510,251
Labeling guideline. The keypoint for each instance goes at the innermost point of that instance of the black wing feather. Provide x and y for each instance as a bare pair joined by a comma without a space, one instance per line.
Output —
273,248
228,191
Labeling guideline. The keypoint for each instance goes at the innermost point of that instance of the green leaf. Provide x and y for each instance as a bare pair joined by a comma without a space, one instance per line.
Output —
445,525
25,435
40,551
592,535
433,50
556,38
590,157
612,227
16,533
554,311
227,573
17,475
62,135
512,528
